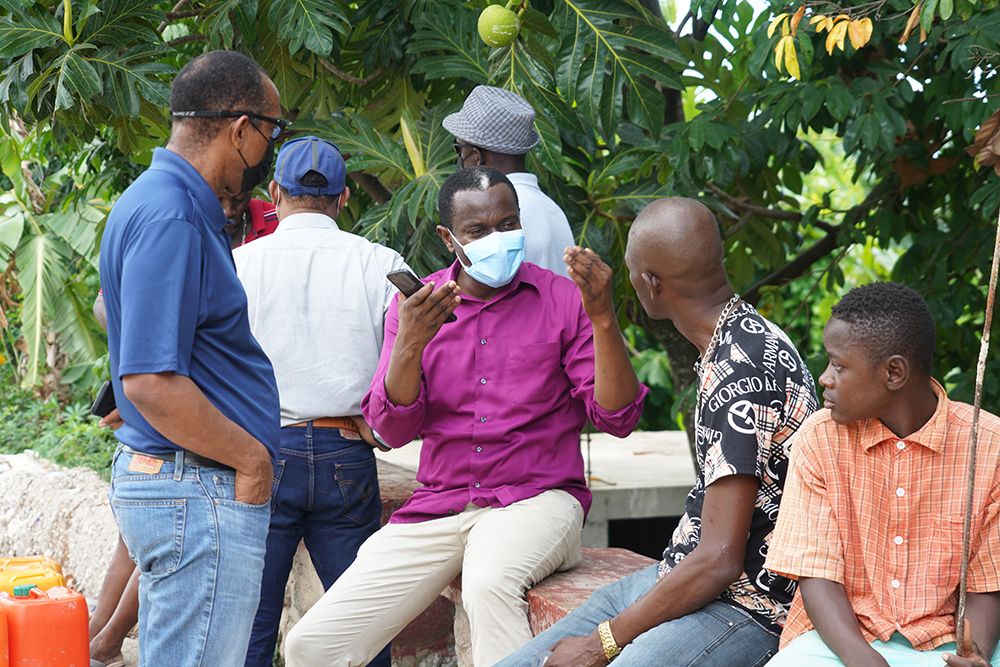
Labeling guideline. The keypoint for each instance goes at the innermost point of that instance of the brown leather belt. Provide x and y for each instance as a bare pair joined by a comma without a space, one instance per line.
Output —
345,423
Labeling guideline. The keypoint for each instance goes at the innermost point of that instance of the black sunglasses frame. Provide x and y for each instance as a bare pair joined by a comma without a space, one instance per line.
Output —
279,123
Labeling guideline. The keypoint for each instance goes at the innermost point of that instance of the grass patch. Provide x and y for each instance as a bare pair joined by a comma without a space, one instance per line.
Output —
65,434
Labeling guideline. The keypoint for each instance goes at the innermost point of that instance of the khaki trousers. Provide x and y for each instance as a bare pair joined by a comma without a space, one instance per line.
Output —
501,552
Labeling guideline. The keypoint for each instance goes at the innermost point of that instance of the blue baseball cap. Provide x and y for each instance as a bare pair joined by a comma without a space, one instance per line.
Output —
302,155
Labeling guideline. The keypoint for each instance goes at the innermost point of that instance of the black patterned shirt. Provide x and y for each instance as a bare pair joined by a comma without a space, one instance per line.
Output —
754,393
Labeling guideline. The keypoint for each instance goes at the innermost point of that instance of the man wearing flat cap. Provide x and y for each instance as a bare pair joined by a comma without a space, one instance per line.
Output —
496,128
316,297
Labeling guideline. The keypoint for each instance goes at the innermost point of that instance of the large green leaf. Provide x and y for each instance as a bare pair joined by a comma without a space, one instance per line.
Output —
449,46
308,23
122,22
11,227
76,79
41,261
24,31
132,76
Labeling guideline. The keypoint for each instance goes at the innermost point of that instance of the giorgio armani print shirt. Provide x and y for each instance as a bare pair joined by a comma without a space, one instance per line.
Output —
754,393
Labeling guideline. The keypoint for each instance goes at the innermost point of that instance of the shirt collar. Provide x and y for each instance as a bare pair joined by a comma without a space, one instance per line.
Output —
172,163
931,435
524,276
523,178
307,221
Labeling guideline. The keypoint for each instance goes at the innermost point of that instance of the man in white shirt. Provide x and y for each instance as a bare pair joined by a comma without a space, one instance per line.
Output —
496,128
317,297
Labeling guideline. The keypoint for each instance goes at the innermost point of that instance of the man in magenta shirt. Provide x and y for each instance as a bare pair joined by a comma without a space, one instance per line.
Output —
499,397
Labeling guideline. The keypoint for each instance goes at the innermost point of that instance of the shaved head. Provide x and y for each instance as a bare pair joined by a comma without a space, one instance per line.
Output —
675,250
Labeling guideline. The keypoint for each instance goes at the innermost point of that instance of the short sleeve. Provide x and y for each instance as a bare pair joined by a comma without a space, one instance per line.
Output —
984,563
160,298
737,420
806,540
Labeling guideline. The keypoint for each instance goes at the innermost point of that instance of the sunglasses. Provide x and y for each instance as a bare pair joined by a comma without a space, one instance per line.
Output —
279,123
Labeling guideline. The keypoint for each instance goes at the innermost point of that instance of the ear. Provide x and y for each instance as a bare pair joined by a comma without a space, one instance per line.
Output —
238,131
897,372
274,192
652,283
344,196
445,235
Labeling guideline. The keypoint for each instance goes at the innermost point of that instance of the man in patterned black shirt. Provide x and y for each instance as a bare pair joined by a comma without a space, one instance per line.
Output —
709,602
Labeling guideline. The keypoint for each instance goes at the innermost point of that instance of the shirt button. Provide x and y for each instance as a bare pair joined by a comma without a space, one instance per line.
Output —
479,449
476,485
482,420
482,341
900,445
482,381
898,539
900,492
894,583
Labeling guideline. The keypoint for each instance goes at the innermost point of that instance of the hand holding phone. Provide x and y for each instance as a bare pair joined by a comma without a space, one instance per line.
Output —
105,401
408,285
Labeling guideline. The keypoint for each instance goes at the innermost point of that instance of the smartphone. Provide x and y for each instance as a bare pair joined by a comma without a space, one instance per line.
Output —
105,401
408,284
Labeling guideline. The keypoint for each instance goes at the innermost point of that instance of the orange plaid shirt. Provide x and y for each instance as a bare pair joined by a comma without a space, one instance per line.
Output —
883,516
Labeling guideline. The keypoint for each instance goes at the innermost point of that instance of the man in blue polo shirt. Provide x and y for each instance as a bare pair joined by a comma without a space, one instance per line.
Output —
192,477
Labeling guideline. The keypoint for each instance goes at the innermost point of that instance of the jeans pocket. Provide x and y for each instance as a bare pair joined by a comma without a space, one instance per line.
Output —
358,483
279,468
153,531
223,492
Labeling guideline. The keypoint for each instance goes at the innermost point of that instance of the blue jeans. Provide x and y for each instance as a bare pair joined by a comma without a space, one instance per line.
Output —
718,635
199,553
325,492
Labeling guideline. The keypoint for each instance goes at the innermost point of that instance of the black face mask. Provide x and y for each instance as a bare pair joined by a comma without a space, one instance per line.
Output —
254,176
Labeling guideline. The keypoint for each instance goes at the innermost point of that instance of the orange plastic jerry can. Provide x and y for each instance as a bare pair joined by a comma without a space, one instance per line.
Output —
41,571
4,652
46,628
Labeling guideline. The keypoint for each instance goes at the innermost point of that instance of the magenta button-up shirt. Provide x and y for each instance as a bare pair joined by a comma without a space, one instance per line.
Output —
504,394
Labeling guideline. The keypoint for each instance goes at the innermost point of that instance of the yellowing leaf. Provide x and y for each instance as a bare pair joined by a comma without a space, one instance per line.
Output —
779,51
836,37
412,148
866,30
842,17
816,19
797,18
774,24
792,58
856,31
911,23
784,28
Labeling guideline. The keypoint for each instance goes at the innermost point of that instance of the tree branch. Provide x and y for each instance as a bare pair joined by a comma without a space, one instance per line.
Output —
350,78
373,186
821,248
178,7
762,211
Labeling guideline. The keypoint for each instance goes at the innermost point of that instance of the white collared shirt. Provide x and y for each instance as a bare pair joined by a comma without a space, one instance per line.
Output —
316,298
546,230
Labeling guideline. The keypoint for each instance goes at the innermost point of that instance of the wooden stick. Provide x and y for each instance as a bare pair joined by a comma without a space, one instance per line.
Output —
984,347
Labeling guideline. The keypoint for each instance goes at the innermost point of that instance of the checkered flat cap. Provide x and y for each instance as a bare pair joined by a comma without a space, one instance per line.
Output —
495,119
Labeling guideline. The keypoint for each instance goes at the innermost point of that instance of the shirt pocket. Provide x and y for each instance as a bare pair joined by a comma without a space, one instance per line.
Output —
947,553
530,372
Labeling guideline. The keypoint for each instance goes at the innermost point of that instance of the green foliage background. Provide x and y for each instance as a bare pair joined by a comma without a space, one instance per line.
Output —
856,172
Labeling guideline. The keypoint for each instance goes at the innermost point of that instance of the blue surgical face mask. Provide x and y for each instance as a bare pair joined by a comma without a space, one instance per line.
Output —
495,258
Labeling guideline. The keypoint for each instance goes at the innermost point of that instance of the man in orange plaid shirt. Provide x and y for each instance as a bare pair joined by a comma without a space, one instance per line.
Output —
871,523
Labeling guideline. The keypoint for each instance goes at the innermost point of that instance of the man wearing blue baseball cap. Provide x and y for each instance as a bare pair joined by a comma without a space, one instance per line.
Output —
317,297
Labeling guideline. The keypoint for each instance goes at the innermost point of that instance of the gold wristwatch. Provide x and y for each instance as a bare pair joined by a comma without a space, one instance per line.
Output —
608,643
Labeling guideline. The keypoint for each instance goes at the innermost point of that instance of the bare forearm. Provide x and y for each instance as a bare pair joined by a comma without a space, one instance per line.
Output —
179,410
834,619
982,613
402,378
693,583
615,383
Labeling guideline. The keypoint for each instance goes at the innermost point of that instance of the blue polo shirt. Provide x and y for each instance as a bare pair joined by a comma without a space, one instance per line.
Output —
175,304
